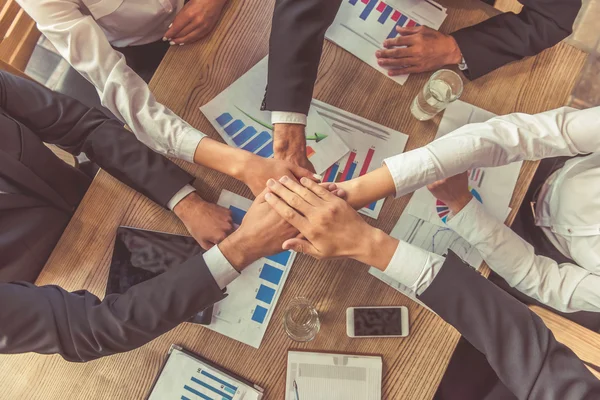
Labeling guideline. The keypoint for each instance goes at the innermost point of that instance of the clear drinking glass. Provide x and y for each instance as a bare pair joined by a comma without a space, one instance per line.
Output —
441,89
301,320
586,92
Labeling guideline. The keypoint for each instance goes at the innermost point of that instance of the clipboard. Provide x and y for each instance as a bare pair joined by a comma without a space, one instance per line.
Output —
186,375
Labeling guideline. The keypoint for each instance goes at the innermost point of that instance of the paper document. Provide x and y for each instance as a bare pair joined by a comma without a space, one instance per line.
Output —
361,26
370,143
319,376
245,313
188,377
235,113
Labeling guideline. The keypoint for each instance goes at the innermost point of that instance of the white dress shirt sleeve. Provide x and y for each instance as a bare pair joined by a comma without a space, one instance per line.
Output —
414,267
219,267
287,117
84,45
565,287
499,141
180,195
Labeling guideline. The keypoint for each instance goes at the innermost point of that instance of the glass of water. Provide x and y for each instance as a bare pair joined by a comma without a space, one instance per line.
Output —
441,89
301,320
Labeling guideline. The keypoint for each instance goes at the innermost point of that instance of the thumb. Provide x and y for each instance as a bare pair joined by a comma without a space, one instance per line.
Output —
301,246
300,172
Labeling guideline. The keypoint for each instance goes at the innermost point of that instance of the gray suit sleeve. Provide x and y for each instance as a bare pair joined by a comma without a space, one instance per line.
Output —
519,347
65,122
295,47
80,327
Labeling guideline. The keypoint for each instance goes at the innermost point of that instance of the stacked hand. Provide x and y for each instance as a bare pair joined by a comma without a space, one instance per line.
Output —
418,49
195,20
330,226
289,144
208,223
258,170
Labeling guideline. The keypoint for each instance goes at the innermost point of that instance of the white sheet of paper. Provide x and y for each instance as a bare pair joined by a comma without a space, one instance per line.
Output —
184,376
370,143
235,114
245,313
320,376
361,28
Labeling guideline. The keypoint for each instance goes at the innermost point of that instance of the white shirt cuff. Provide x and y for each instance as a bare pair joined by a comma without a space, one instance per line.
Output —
473,223
411,170
189,143
287,117
414,267
183,192
219,267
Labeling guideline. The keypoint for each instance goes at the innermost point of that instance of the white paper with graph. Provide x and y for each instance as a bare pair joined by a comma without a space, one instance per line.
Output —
423,221
235,113
361,26
370,143
321,376
245,313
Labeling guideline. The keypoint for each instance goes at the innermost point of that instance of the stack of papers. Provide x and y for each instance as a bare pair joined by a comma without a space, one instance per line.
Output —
361,26
319,376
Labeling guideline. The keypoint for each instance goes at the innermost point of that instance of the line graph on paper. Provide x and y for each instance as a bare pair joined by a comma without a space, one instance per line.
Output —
434,238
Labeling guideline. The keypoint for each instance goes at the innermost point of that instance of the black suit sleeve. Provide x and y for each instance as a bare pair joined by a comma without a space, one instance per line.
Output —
61,120
296,44
80,328
509,37
519,347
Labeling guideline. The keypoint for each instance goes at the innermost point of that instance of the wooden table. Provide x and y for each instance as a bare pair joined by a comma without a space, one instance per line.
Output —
189,77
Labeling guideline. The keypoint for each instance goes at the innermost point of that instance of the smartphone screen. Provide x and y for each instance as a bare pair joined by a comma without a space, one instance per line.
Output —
377,321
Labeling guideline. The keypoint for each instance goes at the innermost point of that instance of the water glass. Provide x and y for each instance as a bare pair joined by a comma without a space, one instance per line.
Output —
586,92
441,89
301,320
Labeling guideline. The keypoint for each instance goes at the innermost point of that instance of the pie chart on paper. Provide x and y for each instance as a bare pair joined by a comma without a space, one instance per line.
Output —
442,209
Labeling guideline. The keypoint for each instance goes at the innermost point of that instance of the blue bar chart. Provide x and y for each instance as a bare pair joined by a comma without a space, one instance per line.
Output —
246,137
245,313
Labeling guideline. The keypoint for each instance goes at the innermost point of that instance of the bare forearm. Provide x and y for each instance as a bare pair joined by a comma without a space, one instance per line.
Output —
211,153
368,188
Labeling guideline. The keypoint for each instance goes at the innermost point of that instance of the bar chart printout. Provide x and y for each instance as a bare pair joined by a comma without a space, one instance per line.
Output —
186,377
235,114
361,26
370,143
245,313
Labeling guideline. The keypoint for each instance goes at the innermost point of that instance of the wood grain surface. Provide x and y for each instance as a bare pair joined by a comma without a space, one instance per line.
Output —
190,76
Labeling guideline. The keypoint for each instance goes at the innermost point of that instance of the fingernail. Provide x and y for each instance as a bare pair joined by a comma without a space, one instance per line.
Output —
172,43
378,53
181,44
318,177
171,25
268,196
165,39
283,179
270,183
303,180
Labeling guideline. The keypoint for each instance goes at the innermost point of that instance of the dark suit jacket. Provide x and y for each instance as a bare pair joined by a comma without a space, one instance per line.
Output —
299,28
40,194
519,347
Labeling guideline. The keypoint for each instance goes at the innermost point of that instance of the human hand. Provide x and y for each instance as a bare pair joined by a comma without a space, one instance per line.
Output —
258,170
453,191
425,50
208,223
330,226
261,233
289,144
195,20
